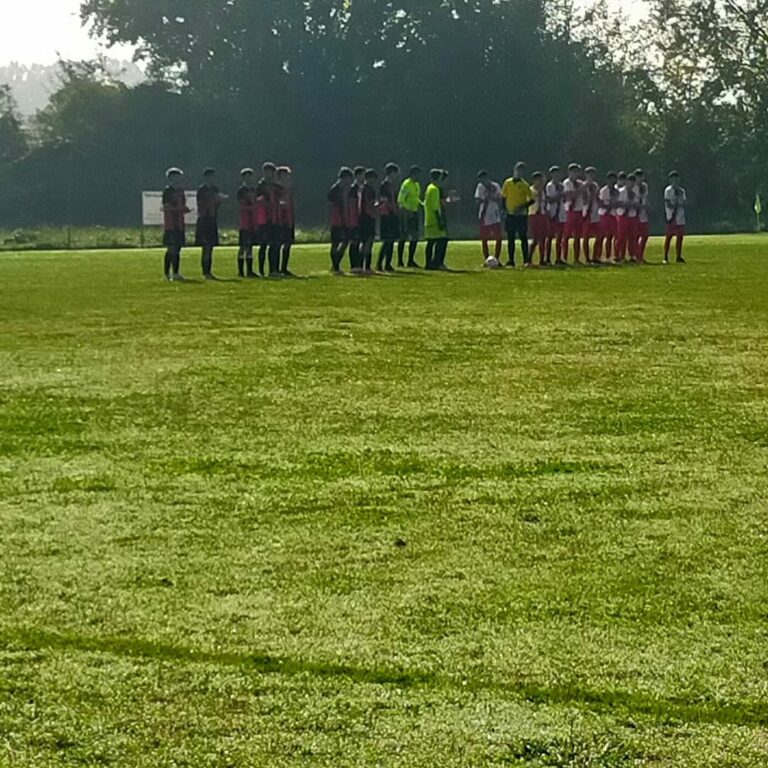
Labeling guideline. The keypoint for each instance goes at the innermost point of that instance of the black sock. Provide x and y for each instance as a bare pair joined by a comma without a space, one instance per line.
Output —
241,264
429,254
206,261
262,258
274,259
167,262
412,246
249,265
382,256
442,248
176,259
286,258
400,252
354,255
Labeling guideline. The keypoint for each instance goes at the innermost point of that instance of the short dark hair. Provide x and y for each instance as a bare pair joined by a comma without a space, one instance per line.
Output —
519,164
639,172
358,170
574,167
208,172
371,174
674,175
611,175
391,168
631,177
482,174
284,170
414,170
246,172
345,172
537,175
554,169
590,169
436,174
622,175
268,167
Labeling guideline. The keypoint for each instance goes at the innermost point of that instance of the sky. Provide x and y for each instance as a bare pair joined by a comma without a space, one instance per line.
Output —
37,31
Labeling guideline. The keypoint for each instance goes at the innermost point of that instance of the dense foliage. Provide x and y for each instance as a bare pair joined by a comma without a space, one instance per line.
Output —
459,83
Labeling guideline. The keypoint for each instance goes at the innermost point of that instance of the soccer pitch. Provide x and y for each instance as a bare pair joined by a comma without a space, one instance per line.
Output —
481,519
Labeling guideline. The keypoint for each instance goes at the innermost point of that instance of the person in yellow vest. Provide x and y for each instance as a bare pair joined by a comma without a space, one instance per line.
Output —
435,230
409,203
517,199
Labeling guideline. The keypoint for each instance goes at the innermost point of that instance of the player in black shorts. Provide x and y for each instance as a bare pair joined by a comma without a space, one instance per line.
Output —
209,200
389,217
266,220
174,210
338,197
353,219
246,200
286,217
368,207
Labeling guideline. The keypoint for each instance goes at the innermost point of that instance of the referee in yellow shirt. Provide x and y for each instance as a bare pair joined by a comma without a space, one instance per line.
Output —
517,198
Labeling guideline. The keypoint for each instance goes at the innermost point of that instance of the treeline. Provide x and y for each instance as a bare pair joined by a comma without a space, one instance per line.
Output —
461,84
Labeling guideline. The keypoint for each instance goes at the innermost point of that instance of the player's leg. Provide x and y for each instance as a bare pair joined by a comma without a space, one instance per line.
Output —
167,263
521,228
680,239
430,254
441,250
511,245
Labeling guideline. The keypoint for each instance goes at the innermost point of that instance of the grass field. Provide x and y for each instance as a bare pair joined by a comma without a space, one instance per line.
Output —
484,519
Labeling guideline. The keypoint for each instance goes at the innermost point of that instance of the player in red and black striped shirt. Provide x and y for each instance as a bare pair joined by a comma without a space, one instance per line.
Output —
389,217
174,209
338,197
368,209
246,200
267,220
209,200
286,218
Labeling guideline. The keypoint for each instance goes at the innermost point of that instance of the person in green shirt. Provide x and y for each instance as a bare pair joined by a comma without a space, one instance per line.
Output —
435,229
409,203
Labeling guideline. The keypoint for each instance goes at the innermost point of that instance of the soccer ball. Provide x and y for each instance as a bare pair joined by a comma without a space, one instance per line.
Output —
492,263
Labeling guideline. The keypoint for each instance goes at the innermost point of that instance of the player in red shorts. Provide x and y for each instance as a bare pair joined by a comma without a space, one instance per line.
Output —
538,219
675,204
488,199
556,215
623,205
643,215
574,220
590,213
608,200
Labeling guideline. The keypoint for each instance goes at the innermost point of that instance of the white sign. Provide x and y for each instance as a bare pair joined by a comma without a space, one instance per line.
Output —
152,208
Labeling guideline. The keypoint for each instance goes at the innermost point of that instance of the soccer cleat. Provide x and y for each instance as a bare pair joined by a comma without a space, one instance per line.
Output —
680,260
287,273
178,278
665,262
389,268
209,276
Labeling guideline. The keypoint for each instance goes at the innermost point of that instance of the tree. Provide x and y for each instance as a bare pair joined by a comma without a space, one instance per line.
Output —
13,141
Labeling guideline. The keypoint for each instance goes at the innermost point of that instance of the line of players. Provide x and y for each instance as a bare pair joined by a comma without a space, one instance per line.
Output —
606,224
267,221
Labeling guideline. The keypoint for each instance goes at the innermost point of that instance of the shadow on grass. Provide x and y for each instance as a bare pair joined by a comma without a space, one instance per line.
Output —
667,710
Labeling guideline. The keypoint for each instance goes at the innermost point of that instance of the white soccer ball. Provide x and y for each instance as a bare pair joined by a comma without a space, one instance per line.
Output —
492,263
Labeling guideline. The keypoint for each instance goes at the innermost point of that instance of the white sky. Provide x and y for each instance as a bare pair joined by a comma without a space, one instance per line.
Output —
37,31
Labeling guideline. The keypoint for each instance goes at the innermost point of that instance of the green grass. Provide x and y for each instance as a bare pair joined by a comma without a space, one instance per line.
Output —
483,519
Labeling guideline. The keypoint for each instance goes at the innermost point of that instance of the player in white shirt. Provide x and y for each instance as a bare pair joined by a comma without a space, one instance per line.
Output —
556,215
608,198
590,214
574,220
538,219
623,224
643,215
675,204
488,199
